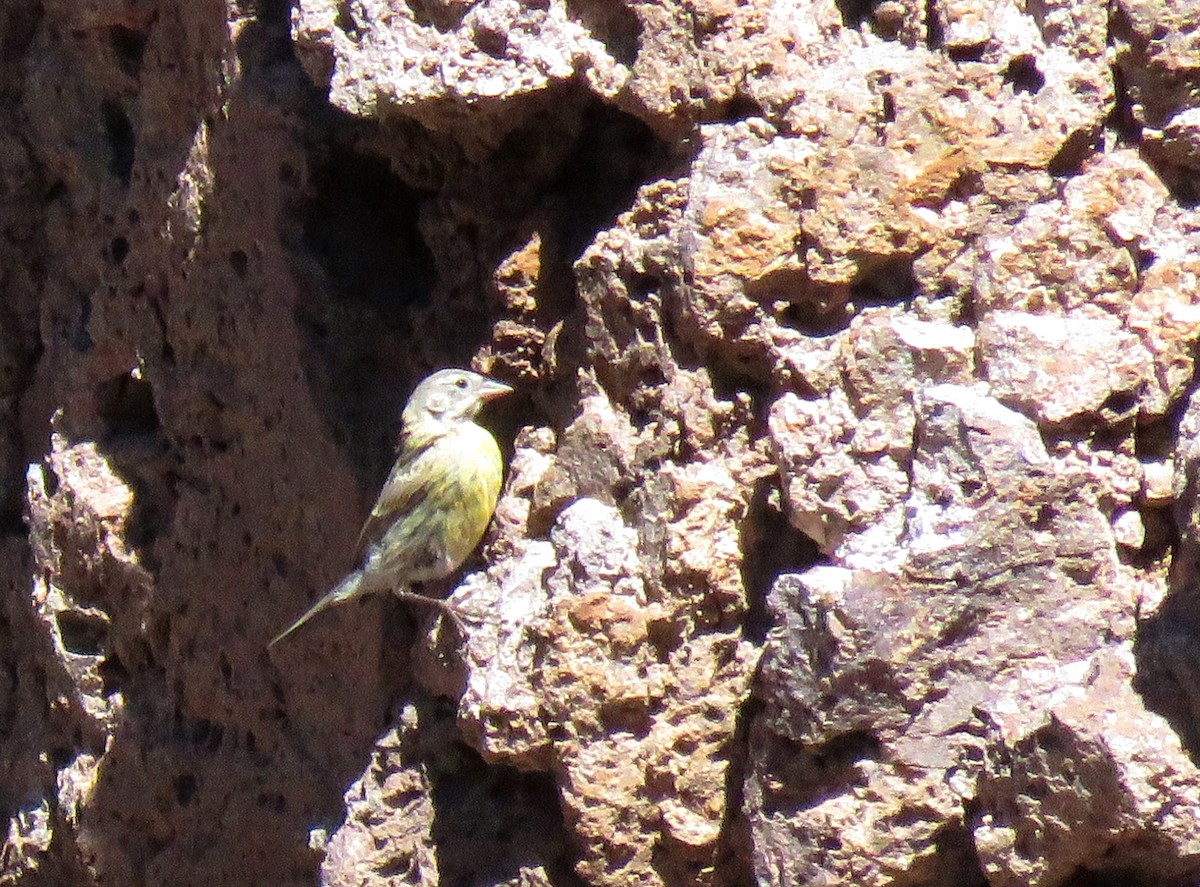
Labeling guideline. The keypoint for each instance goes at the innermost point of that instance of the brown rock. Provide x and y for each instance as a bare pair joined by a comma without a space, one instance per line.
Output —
918,282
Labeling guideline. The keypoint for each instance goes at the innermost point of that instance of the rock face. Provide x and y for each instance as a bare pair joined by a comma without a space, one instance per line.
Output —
851,531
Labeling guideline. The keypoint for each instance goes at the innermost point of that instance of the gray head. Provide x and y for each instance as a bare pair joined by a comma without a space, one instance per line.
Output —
451,396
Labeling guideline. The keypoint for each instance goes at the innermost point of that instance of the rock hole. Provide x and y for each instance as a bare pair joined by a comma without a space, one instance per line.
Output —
613,24
81,634
185,788
816,317
442,16
122,144
889,107
1075,151
935,36
362,227
118,249
125,404
239,263
773,547
207,735
1023,75
1120,403
855,12
965,53
889,282
56,190
740,107
956,861
129,48
492,41
471,797
113,675
613,155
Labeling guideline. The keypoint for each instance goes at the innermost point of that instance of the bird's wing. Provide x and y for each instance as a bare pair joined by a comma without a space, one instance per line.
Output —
402,491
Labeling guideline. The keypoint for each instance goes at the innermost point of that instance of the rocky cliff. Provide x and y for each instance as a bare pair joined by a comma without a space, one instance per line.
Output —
851,532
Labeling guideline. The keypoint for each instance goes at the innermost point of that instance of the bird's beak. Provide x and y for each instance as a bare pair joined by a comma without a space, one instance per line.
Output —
491,389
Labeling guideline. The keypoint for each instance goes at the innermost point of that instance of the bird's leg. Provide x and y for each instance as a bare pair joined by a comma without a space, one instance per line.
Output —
445,607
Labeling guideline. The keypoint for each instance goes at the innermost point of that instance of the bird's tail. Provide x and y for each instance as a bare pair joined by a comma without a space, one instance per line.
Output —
348,588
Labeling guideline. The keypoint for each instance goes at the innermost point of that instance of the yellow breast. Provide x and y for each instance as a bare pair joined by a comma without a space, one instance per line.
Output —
453,485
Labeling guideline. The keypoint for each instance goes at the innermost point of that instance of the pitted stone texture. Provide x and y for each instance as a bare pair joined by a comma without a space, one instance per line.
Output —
1061,368
585,671
1009,606
1091,774
454,69
844,458
1157,42
386,837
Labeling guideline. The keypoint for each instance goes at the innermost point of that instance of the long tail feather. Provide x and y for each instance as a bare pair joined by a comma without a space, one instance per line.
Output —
348,588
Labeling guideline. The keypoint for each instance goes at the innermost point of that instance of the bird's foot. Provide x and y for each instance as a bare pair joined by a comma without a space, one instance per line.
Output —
444,607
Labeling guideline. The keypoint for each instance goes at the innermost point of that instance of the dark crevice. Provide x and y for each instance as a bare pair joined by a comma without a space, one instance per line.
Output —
133,439
265,41
955,861
490,821
965,53
935,35
445,17
122,143
1078,147
118,249
185,789
55,191
772,547
129,48
12,521
855,12
1023,75
889,282
736,844
113,675
613,24
492,41
76,328
125,404
613,155
1128,876
817,318
276,12
18,27
888,104
239,262
361,225
740,107
82,635
802,775
1121,118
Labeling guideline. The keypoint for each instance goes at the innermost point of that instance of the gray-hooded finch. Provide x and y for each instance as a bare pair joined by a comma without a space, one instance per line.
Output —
438,498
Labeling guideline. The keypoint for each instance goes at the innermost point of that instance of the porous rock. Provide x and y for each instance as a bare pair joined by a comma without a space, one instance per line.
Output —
850,527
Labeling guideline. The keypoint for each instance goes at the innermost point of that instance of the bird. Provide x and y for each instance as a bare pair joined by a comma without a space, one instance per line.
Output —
437,500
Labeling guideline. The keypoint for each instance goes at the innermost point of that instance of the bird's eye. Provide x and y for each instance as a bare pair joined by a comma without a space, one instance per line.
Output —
460,382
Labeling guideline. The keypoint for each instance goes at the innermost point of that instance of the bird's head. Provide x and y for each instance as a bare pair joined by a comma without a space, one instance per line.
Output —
451,395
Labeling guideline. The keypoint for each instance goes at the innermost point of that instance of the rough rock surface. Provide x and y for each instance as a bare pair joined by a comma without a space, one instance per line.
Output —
851,532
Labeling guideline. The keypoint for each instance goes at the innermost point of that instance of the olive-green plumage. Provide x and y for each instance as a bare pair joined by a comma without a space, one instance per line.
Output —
437,500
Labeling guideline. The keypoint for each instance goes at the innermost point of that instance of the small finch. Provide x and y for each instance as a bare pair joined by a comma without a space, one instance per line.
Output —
437,500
